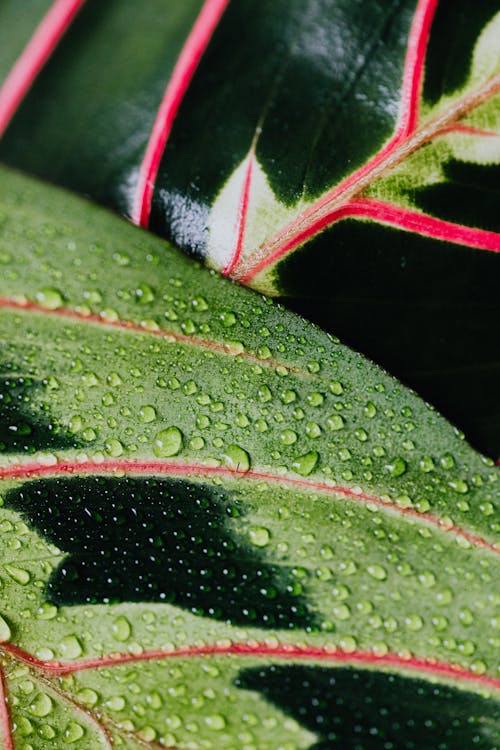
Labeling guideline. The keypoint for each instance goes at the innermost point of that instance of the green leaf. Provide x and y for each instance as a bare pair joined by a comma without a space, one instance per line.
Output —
346,160
220,526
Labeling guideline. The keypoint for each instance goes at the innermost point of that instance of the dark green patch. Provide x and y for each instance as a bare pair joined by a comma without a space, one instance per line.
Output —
21,431
318,79
455,31
471,196
360,710
149,540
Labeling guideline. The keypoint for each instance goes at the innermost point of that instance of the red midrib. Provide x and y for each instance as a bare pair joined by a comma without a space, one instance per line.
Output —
127,325
341,202
335,202
328,653
5,718
144,468
183,72
34,56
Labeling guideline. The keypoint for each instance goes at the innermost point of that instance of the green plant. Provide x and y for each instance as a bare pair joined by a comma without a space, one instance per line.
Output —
220,526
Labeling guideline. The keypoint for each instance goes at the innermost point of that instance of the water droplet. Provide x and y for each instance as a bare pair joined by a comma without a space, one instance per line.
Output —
121,629
396,467
88,697
315,398
313,430
259,536
237,458
427,579
335,422
228,319
196,443
336,388
305,465
19,575
200,304
458,485
147,413
41,705
144,294
414,622
113,447
288,437
116,703
288,396
370,410
264,394
447,461
168,442
49,298
377,572
361,435
215,722
70,647
90,379
73,732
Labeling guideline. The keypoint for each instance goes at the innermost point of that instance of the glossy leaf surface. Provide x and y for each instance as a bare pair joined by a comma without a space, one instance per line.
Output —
221,527
346,160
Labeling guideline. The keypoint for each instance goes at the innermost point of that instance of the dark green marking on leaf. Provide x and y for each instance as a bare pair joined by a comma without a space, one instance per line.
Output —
360,710
150,540
21,430
457,198
455,30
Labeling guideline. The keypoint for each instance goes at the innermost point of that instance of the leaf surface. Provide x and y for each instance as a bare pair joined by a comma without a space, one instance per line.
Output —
346,160
221,527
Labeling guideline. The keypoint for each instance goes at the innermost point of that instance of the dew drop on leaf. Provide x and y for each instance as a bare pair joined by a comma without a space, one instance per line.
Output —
49,298
41,705
113,447
19,575
70,647
305,465
377,572
396,467
237,458
259,536
288,437
73,732
335,422
121,629
168,442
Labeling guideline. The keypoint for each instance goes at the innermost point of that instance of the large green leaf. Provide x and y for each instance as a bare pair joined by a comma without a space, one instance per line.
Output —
374,122
221,527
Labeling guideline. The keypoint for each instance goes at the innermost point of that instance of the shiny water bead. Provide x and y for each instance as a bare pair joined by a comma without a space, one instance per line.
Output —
336,387
396,467
168,442
305,465
335,422
237,458
288,437
49,298
70,647
73,732
113,447
121,629
19,575
147,413
259,536
315,399
41,705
